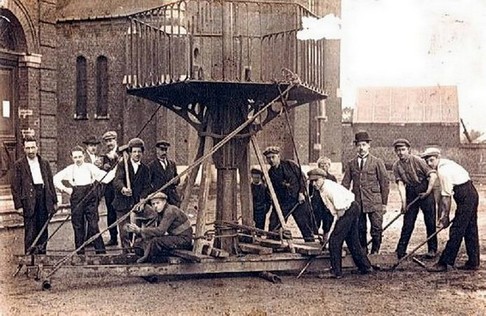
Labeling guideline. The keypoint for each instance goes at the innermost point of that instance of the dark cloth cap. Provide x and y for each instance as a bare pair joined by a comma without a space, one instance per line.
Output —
271,150
316,173
162,144
136,142
109,135
401,142
256,171
158,195
362,136
92,140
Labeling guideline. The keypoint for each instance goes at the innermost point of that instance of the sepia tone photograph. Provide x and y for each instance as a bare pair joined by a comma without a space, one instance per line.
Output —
231,157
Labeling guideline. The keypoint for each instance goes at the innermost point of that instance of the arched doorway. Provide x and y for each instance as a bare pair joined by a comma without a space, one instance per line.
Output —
12,47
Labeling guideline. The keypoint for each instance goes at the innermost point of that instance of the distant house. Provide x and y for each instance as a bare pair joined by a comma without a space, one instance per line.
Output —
424,115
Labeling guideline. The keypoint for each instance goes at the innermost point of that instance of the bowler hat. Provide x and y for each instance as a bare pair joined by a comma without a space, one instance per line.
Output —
92,140
401,142
362,136
429,152
162,144
271,150
158,195
136,142
316,173
109,135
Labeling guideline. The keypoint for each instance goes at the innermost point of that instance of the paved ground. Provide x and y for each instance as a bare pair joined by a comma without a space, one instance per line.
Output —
410,291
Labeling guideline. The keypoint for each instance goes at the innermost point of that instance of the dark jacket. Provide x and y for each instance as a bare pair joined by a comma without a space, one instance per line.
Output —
288,181
159,177
140,185
370,185
22,186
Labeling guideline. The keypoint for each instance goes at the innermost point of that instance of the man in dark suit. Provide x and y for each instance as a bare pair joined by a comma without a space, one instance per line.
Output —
109,160
34,194
370,187
162,170
128,194
91,153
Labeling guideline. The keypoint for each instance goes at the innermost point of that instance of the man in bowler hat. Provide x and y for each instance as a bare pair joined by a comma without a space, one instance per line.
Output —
371,187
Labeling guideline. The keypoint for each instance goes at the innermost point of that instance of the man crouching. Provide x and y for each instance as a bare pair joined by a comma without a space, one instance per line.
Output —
161,226
341,204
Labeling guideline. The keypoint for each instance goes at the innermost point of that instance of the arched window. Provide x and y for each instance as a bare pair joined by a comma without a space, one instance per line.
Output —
81,89
101,87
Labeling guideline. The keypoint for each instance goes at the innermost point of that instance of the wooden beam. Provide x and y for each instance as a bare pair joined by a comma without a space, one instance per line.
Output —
191,178
255,249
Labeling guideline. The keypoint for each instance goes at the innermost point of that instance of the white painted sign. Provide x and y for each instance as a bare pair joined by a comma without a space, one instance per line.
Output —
6,108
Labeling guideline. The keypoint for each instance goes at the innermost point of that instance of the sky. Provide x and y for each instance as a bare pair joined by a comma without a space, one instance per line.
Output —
413,43
416,43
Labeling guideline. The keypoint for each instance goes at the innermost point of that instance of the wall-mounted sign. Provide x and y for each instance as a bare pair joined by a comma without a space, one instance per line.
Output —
6,109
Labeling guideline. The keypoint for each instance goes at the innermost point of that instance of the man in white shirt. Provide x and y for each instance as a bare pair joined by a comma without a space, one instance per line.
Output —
455,181
82,178
341,204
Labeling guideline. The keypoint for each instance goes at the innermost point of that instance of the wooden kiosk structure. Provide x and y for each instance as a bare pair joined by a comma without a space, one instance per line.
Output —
227,67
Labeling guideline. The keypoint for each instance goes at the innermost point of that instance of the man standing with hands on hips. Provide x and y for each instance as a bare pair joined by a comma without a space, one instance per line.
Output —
455,181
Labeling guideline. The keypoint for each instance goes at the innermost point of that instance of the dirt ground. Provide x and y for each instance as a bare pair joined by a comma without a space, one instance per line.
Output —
408,291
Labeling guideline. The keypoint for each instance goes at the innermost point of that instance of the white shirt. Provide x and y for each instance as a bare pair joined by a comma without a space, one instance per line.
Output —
135,166
84,174
35,170
450,174
362,161
336,197
163,162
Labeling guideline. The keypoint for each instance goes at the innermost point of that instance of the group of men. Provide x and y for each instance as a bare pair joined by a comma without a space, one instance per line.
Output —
118,175
368,180
342,210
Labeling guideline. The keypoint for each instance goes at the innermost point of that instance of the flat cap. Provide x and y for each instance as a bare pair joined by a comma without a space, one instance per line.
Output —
92,140
109,135
316,173
271,150
158,195
431,151
136,142
162,144
256,171
401,142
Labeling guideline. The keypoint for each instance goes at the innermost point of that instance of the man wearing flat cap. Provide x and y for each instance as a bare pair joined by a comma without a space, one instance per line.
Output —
415,179
456,182
109,160
161,227
342,205
371,187
289,184
162,170
128,193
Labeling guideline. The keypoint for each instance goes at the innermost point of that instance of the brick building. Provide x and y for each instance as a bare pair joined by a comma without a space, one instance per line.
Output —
64,65
427,116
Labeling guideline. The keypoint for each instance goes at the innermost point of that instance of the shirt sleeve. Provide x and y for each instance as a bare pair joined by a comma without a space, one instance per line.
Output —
97,173
161,229
424,167
58,177
445,183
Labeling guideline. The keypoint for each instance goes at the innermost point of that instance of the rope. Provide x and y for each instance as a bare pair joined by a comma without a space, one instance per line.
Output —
195,164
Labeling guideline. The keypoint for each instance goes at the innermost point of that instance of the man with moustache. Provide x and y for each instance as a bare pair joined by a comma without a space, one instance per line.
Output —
371,188
109,160
162,170
34,195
